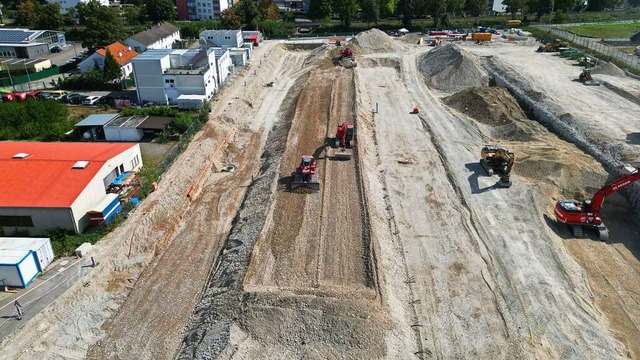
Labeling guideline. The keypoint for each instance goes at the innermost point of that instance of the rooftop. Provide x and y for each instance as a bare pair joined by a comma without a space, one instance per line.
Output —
127,121
45,176
97,119
156,33
21,244
14,36
222,32
122,53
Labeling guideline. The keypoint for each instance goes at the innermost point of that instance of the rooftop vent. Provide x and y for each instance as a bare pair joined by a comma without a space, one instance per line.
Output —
20,155
79,165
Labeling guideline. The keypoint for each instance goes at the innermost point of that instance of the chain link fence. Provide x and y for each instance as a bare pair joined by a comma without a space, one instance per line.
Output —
631,61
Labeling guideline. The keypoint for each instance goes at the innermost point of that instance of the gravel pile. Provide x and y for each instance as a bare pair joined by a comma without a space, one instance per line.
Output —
451,69
608,69
374,41
489,105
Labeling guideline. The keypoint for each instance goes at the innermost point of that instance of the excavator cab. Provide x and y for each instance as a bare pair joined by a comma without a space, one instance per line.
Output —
306,175
496,159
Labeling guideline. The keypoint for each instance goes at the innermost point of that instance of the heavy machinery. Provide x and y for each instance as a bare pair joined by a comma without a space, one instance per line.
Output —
553,46
498,159
586,214
346,58
306,175
415,110
586,78
344,141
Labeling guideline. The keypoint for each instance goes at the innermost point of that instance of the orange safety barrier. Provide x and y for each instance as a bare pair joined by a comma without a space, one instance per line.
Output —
193,188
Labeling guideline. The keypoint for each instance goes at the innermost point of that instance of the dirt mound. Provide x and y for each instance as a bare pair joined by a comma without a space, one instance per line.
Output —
374,41
489,105
608,69
377,62
449,68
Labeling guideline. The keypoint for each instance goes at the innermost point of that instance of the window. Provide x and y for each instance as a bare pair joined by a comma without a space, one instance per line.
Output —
134,162
227,37
18,221
79,165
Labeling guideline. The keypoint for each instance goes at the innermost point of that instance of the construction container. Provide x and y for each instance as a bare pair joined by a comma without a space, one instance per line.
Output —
41,248
18,268
481,36
513,23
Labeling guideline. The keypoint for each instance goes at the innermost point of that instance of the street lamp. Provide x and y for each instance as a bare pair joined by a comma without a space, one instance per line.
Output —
10,78
28,77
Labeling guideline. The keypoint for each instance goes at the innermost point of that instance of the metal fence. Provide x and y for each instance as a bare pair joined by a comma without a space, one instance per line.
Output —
631,61
182,144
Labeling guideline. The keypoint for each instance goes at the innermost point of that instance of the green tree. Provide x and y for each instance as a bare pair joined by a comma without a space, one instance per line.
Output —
230,19
27,13
102,25
370,11
268,10
321,9
159,10
111,69
513,6
49,17
71,17
455,6
347,10
387,8
247,11
405,9
475,7
133,15
34,120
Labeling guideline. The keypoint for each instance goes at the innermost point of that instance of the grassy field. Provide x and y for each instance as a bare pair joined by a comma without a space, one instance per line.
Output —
607,31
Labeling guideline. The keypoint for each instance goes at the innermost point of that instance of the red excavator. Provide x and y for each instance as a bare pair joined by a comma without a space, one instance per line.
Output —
586,78
344,141
346,53
579,215
306,174
346,58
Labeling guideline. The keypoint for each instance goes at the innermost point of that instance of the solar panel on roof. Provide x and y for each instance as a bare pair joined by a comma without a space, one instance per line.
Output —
13,36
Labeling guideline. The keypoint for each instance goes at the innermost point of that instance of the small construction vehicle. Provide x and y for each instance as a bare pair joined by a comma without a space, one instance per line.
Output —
346,58
344,141
586,214
306,175
586,78
554,46
415,110
498,159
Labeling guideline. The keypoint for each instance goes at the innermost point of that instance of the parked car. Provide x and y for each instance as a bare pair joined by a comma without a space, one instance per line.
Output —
7,97
26,95
69,98
45,95
91,100
59,94
56,49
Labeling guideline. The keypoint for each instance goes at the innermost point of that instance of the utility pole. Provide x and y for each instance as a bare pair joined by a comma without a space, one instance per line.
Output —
10,78
28,77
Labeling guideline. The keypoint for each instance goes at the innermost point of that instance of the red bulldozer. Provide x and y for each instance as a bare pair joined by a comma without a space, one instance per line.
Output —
344,141
306,175
346,58
586,214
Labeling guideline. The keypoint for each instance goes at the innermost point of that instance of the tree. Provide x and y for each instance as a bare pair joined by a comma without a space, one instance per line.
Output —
387,7
102,25
27,13
455,7
230,19
321,9
475,7
133,15
71,17
513,6
247,11
111,69
268,10
347,10
159,10
405,9
370,11
49,17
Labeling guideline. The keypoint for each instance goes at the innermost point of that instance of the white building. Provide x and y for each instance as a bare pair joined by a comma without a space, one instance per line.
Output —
123,55
224,64
221,38
65,5
161,36
40,246
163,75
56,185
206,9
498,6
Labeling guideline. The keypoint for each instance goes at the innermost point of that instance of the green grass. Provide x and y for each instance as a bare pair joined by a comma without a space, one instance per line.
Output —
607,31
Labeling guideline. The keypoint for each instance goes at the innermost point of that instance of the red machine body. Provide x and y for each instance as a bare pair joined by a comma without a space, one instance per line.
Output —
345,135
306,174
307,165
346,53
578,214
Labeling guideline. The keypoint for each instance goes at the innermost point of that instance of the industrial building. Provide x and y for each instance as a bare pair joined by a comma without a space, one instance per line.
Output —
161,36
28,44
57,185
163,75
113,127
222,38
41,248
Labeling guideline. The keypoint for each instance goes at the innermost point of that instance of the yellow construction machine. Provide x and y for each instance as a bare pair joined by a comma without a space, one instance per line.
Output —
498,159
553,46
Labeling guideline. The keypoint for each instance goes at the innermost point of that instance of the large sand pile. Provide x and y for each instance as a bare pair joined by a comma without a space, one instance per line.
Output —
608,69
449,68
493,106
374,41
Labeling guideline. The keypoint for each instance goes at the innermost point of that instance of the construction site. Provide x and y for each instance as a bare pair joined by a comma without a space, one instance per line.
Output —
390,201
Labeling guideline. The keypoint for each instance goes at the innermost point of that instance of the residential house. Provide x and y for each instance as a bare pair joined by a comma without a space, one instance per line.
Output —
222,38
201,9
48,185
163,75
161,36
65,5
123,55
28,44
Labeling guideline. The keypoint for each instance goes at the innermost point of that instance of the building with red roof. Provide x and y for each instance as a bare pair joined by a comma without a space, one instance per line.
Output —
51,185
122,53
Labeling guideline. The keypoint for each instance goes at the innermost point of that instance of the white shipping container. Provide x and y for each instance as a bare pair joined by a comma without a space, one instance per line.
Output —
40,246
18,268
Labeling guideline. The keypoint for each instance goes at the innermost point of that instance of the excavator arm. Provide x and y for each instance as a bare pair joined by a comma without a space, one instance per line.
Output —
632,176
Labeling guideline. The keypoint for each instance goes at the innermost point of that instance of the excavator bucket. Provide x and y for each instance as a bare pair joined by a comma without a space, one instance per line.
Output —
299,182
504,182
342,154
